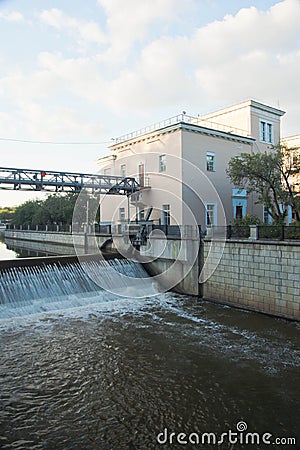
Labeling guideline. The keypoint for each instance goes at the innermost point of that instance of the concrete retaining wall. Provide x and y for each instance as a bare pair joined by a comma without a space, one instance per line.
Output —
57,243
177,261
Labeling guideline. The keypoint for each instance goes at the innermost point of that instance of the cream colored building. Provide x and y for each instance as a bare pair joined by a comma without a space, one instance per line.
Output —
180,164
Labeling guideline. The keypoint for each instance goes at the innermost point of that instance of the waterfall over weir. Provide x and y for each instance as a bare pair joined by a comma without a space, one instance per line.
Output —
37,289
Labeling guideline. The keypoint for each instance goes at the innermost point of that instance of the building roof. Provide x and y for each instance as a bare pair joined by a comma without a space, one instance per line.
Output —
244,104
182,121
291,141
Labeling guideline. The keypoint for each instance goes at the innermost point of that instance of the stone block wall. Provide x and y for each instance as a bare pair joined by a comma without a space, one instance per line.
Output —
262,276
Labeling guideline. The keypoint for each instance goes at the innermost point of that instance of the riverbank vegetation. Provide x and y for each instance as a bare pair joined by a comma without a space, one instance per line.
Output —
56,208
273,176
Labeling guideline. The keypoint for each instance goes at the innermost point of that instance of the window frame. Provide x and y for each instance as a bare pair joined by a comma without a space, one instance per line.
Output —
122,214
266,131
215,214
210,161
162,163
166,214
122,170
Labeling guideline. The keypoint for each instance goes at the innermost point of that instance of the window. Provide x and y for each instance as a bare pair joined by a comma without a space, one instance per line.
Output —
270,132
141,215
141,177
123,170
162,163
295,158
210,162
211,216
166,217
122,214
266,132
238,212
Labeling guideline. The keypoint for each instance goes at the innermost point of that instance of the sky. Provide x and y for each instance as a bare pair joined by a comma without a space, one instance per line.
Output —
76,74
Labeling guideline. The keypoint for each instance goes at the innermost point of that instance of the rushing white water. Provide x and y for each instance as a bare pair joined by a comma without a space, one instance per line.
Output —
36,289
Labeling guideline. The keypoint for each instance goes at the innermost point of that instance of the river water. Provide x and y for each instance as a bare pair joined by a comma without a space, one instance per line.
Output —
115,372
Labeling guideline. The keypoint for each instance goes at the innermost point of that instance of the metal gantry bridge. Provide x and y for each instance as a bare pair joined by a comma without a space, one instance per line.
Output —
45,180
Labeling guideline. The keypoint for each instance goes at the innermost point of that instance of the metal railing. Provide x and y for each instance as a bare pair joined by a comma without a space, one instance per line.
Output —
238,232
278,232
184,118
50,227
256,232
168,230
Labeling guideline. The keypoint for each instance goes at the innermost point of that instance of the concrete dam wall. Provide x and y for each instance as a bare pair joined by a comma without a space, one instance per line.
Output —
263,276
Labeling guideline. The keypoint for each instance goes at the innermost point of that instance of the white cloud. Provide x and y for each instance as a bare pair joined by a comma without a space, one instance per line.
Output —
242,55
36,121
38,84
87,30
14,16
251,54
130,22
52,124
81,76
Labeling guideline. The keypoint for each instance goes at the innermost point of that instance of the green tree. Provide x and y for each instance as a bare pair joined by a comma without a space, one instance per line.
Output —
271,175
56,208
25,213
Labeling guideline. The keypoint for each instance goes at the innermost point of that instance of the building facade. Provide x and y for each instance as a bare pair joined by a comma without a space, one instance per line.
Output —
181,165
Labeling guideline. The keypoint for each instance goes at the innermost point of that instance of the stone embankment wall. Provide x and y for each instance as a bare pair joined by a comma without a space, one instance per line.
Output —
262,276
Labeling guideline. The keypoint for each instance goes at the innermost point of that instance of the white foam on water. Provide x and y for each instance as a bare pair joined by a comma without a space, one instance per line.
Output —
42,289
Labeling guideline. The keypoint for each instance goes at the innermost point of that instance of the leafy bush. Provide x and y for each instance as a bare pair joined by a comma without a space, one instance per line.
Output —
248,219
293,231
269,232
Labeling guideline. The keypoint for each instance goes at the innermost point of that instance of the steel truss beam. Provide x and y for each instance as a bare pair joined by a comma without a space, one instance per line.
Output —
45,180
